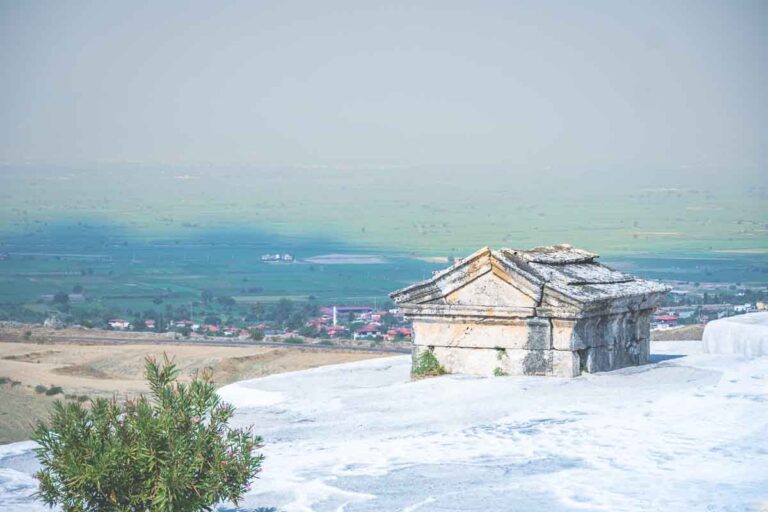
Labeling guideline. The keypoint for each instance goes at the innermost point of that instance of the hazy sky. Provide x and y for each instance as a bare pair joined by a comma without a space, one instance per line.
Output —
524,83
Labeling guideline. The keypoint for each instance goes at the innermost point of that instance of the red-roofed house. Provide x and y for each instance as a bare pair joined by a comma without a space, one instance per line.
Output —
665,320
335,330
120,324
369,331
398,333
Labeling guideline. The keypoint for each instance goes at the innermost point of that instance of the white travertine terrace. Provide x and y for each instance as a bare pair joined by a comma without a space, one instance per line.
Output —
745,335
546,311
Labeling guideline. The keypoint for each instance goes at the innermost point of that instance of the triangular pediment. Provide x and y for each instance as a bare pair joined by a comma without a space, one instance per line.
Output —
491,290
485,278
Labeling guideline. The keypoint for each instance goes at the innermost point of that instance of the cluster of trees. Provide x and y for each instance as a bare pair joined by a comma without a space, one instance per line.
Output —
309,331
284,313
734,294
20,313
215,311
209,299
210,309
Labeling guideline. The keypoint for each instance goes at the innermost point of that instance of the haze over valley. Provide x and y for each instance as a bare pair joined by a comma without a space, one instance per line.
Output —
290,196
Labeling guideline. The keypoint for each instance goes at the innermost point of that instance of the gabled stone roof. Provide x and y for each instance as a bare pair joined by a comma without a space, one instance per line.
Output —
558,276
575,274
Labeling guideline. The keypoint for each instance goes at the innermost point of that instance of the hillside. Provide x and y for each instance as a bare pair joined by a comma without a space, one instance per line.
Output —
90,369
682,333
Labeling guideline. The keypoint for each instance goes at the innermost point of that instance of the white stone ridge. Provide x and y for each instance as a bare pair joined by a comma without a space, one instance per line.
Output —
746,335
686,433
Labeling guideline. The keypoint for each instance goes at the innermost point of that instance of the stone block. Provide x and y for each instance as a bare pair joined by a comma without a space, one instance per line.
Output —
533,334
485,362
624,352
539,334
565,336
597,359
566,363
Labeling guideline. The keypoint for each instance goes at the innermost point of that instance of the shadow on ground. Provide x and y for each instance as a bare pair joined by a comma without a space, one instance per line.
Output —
257,509
658,358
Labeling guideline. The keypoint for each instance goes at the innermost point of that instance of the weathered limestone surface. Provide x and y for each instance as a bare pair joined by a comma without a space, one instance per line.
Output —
600,331
547,311
529,334
490,362
488,290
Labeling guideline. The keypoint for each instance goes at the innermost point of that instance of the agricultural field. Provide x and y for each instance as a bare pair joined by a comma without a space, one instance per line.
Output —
138,237
100,272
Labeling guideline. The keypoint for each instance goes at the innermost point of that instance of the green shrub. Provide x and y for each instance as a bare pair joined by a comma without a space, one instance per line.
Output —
54,390
39,389
427,365
82,398
325,342
293,340
498,372
173,451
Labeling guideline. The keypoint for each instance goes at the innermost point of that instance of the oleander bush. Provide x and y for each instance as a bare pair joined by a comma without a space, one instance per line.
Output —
171,451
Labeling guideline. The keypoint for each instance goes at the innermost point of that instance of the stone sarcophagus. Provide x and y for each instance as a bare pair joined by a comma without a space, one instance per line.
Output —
545,311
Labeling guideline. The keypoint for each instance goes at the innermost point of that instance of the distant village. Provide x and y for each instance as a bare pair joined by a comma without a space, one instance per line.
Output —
299,322
331,322
699,303
369,323
687,304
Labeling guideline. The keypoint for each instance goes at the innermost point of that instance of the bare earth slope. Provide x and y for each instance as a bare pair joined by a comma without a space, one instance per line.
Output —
103,370
682,333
